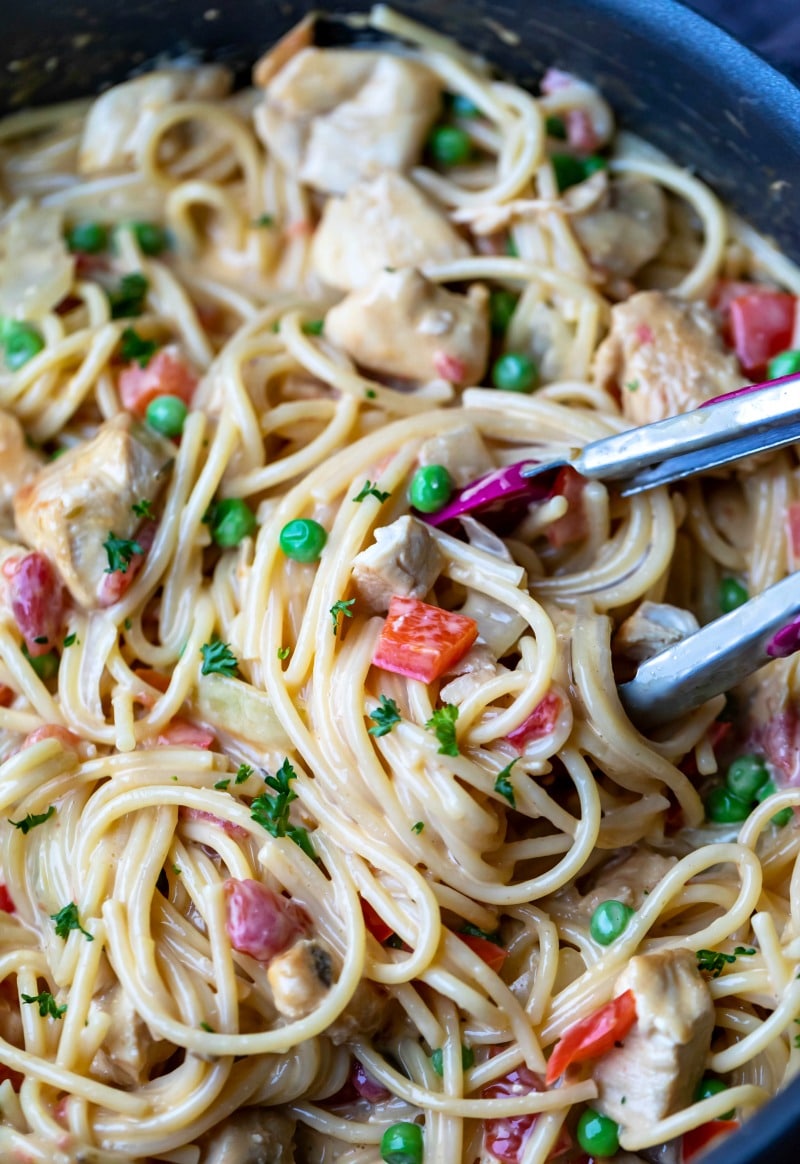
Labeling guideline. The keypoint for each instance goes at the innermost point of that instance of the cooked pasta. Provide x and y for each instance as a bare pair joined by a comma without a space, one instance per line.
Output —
323,825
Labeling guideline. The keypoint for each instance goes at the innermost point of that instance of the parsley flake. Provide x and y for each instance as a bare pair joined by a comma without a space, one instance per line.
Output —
344,607
134,348
313,326
128,298
370,490
264,220
272,812
284,652
713,962
46,1003
66,920
120,551
385,716
474,932
218,659
632,385
143,508
70,640
503,783
243,772
443,724
370,394
207,1027
222,785
32,820
418,827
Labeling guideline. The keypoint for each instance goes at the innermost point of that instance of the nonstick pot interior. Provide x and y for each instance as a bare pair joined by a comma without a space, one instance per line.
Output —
671,76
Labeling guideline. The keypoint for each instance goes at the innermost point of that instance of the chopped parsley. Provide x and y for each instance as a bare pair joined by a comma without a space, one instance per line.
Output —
70,640
46,1003
418,827
176,869
632,385
443,724
243,772
143,508
32,820
128,299
313,326
222,785
503,783
370,490
41,639
120,551
385,716
344,607
67,919
264,220
474,932
370,394
284,652
272,812
207,1027
218,659
133,347
713,962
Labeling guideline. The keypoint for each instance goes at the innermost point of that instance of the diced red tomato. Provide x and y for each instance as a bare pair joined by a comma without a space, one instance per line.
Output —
505,1137
6,902
793,523
259,922
541,722
574,525
167,374
489,952
725,291
591,1037
699,1138
181,733
53,731
422,641
761,325
115,584
37,601
227,826
374,922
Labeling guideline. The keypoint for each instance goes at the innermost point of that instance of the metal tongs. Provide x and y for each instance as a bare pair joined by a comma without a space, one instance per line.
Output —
724,652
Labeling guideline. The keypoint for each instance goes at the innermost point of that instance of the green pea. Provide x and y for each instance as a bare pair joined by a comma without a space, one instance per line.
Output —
515,372
746,775
233,520
88,238
731,595
568,170
462,107
784,364
597,1134
151,237
21,342
303,539
609,921
437,1059
167,415
449,146
45,666
556,128
502,305
592,164
724,807
709,1086
431,488
402,1144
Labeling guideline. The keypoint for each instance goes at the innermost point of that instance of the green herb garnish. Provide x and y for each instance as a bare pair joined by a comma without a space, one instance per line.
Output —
344,607
503,783
370,490
443,724
713,962
272,812
134,347
32,820
46,1003
218,659
143,508
120,551
67,919
385,716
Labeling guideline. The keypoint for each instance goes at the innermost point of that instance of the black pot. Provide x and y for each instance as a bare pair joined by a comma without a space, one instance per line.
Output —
671,76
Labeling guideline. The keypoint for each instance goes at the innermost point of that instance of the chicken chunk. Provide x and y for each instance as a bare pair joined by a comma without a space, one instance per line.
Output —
404,559
335,116
656,1070
252,1136
71,507
665,356
404,325
128,1052
385,222
121,120
461,451
36,269
18,462
300,978
628,878
652,628
627,229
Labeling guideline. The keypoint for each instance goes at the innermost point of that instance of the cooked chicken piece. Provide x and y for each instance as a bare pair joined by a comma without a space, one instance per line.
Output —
36,269
461,451
121,120
404,325
629,877
404,559
665,356
656,1070
300,978
652,628
364,1014
18,462
463,687
385,222
252,1136
335,116
627,229
71,507
128,1052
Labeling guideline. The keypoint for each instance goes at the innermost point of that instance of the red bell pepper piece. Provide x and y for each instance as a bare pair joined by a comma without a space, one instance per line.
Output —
538,724
489,952
421,641
698,1138
761,325
591,1037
